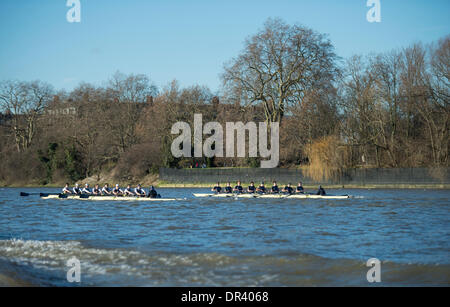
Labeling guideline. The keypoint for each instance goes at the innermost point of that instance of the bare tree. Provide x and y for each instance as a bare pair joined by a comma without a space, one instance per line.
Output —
386,69
440,93
418,91
129,93
357,101
90,130
25,101
278,65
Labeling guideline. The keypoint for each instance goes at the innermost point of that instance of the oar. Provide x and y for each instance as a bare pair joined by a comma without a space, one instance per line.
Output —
236,194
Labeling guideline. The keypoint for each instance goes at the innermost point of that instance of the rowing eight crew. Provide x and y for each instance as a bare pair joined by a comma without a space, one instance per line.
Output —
252,189
107,191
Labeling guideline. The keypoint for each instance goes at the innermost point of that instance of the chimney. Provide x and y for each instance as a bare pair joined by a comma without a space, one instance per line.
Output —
149,100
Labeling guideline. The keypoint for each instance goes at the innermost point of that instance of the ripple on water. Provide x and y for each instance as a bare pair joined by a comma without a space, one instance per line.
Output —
406,229
111,266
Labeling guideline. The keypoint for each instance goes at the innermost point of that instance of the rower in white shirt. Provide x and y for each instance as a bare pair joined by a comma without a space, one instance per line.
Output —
117,191
139,191
106,190
66,189
76,189
86,189
128,191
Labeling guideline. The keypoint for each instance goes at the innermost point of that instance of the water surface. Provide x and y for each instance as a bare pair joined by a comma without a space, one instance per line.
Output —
227,242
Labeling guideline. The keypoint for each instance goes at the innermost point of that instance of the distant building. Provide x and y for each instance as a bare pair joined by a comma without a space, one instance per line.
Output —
61,111
57,108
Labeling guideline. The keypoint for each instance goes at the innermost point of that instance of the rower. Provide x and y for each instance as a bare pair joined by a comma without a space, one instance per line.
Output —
261,189
228,188
217,189
139,191
66,189
321,191
152,192
106,190
128,191
288,189
251,188
86,189
275,189
238,188
300,189
76,189
117,191
96,190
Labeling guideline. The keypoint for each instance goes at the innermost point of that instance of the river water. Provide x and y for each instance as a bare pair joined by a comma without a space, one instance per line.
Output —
227,242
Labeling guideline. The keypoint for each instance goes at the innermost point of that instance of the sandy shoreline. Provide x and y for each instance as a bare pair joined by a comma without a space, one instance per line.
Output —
7,281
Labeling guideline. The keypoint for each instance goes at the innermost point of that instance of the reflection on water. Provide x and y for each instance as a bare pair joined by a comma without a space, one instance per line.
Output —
211,242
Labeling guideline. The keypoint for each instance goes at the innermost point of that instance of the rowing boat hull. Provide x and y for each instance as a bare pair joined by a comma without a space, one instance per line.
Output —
270,196
108,198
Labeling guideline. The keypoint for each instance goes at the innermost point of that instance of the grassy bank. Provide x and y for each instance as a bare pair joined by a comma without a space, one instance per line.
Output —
153,180
308,187
101,180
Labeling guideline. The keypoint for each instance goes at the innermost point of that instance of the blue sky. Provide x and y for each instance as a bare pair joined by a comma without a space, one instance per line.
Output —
187,40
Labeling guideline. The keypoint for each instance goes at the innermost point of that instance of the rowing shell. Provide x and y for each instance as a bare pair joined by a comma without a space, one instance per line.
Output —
271,196
108,198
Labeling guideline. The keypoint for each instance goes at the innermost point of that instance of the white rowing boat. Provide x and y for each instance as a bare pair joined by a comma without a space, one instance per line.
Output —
197,195
108,198
270,196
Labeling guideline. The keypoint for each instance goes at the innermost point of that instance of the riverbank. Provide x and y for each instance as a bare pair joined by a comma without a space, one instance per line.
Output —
368,178
163,184
412,178
101,180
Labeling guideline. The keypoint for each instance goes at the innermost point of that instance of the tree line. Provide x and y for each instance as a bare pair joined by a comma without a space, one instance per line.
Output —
379,110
